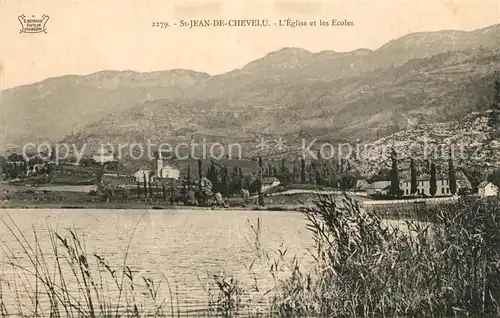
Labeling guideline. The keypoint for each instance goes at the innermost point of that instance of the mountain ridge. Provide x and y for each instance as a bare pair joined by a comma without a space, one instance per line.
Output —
372,104
495,28
330,80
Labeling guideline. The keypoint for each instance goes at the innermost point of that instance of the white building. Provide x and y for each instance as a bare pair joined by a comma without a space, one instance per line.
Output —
142,175
168,172
487,189
103,157
165,171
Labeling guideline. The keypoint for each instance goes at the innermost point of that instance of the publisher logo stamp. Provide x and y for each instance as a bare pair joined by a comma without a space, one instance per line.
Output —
33,24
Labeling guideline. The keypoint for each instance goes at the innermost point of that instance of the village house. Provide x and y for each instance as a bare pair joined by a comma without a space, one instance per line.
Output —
442,185
269,182
103,157
378,188
361,185
165,171
424,187
142,175
487,189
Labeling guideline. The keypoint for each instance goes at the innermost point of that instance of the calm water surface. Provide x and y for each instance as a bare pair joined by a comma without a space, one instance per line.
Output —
184,246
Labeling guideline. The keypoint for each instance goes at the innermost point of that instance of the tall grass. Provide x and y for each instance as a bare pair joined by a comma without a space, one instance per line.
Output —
446,266
68,282
450,266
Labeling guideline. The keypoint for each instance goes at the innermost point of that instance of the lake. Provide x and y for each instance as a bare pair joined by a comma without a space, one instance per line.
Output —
183,246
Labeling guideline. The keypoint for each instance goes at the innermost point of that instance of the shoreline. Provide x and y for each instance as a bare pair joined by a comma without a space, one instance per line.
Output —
141,206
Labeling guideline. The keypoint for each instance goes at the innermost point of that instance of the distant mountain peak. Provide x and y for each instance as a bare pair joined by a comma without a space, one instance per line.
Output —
339,94
285,58
291,50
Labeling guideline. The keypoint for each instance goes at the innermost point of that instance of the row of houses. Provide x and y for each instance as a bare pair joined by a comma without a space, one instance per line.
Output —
382,188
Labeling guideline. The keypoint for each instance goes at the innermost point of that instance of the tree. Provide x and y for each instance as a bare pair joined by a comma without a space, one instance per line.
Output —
496,98
314,170
295,173
240,174
346,176
52,154
302,170
433,185
317,174
394,190
261,198
150,182
333,174
206,191
188,177
452,177
255,186
475,176
261,170
224,187
319,169
494,177
284,175
246,195
413,181
212,174
190,198
275,172
145,184
248,181
383,174
106,192
164,191
200,169
494,120
172,193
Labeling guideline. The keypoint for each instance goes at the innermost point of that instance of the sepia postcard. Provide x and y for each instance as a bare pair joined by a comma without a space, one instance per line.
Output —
249,158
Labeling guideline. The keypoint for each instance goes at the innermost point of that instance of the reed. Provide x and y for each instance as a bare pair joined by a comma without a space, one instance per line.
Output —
449,266
66,281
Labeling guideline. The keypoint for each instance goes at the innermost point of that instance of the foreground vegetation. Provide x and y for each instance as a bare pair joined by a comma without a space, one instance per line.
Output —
447,266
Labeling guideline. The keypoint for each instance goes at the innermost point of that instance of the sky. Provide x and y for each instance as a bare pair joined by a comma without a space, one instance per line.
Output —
89,36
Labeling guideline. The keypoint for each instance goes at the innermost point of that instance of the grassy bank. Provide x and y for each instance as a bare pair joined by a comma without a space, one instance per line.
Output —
447,266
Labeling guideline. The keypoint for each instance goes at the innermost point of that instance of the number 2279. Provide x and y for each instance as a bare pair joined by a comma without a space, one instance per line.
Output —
160,25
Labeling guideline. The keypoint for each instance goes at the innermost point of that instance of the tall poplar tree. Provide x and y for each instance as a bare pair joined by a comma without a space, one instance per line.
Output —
302,170
413,170
188,181
394,189
452,177
433,181
495,108
145,184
